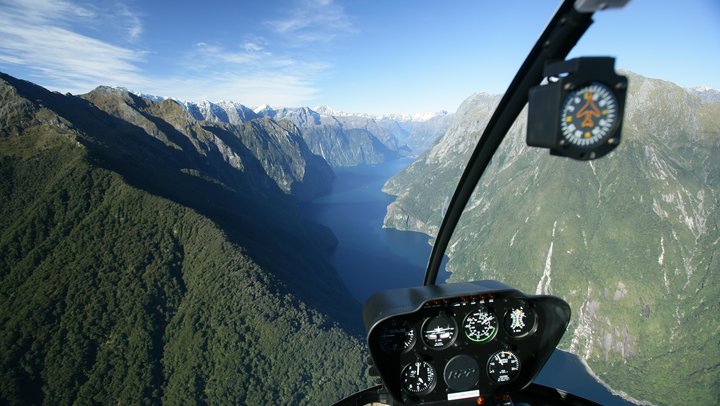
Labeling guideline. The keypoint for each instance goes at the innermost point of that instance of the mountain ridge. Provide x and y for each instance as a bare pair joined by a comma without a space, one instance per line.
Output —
139,265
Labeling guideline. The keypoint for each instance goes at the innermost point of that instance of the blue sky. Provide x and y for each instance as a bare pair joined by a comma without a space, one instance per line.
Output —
367,56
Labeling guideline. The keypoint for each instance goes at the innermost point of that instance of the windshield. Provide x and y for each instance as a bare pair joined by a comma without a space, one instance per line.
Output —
197,199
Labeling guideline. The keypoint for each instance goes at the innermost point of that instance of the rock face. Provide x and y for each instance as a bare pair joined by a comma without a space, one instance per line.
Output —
342,139
242,139
630,240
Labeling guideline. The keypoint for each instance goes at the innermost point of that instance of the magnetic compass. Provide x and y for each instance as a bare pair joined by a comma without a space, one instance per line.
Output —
577,111
589,116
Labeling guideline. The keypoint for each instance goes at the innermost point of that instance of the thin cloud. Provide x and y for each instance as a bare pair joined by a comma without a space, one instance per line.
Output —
249,74
253,89
132,24
41,39
36,38
313,21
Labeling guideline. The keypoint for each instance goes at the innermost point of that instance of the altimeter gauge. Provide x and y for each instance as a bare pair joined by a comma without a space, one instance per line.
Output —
480,325
589,116
503,366
418,378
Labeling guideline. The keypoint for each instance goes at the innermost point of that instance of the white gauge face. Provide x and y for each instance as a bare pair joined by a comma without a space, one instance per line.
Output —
589,115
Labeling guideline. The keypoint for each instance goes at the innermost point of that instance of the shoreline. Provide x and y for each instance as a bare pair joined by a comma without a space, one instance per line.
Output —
615,392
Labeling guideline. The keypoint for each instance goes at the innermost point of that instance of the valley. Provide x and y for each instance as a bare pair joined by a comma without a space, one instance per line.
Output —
229,236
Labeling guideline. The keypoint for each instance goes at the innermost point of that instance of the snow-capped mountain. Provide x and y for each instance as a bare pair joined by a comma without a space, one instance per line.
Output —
383,136
706,94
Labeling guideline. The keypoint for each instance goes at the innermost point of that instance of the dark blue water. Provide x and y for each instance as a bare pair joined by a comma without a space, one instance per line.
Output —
369,259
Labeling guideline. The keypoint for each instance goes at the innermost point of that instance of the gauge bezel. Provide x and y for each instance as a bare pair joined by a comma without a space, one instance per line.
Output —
408,347
599,132
488,311
445,345
431,385
514,375
535,321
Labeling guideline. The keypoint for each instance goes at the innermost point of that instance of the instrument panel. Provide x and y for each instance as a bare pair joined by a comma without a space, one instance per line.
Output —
447,343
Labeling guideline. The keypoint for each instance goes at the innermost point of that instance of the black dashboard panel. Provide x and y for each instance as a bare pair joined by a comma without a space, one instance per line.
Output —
455,342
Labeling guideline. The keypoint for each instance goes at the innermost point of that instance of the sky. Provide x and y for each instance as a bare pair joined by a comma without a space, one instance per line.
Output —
362,56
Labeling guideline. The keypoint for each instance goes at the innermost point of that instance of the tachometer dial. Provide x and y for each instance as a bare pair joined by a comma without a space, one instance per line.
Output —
519,321
503,366
589,115
480,326
396,336
439,332
418,378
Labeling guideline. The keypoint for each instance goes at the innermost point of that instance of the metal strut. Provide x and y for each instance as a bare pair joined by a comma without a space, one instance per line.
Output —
562,33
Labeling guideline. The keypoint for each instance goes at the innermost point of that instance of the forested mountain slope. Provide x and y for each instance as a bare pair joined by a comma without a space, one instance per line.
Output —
140,263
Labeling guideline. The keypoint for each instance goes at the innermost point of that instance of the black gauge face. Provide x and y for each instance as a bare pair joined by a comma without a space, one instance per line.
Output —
519,320
439,332
503,366
418,378
396,336
589,115
480,326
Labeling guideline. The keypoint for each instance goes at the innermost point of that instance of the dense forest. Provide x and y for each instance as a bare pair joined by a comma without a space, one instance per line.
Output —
124,279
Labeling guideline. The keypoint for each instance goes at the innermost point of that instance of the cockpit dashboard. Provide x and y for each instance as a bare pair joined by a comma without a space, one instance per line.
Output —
441,344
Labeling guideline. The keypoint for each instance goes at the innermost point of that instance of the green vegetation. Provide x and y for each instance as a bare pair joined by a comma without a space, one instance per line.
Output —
125,280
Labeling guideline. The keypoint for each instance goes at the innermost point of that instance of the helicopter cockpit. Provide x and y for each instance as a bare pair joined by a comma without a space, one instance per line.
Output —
483,342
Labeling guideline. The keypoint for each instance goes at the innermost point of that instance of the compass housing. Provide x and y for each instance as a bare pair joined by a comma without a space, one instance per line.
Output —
578,111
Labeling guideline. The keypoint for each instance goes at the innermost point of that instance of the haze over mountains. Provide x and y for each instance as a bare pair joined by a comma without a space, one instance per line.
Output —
631,241
342,139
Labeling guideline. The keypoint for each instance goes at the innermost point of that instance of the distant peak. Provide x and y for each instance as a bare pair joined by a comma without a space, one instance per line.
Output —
325,110
262,107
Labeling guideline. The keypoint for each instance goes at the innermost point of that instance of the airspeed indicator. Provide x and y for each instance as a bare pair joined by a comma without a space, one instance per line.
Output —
480,326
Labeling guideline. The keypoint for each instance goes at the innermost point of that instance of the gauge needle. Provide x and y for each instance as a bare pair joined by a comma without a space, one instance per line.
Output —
418,369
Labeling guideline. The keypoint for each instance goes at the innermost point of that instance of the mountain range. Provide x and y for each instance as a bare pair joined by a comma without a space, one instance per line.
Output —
149,257
630,241
342,139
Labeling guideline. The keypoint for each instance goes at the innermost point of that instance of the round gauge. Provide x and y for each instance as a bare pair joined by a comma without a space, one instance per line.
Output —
418,378
439,332
589,115
519,321
503,366
480,326
396,336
